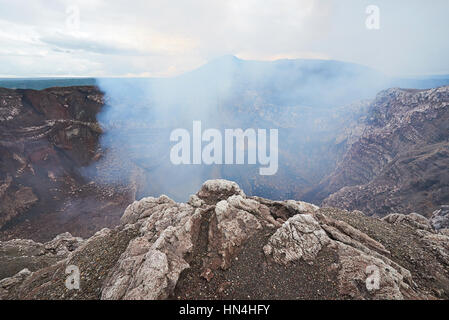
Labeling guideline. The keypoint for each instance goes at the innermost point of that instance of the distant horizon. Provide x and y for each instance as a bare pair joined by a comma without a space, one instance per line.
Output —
51,77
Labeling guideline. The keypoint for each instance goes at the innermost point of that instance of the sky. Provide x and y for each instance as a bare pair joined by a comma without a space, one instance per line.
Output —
147,38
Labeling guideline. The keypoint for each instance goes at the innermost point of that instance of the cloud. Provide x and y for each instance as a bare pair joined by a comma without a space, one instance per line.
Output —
118,37
70,42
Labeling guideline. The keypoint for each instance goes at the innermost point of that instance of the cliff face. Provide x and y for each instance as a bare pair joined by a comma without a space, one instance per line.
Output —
45,138
224,244
397,158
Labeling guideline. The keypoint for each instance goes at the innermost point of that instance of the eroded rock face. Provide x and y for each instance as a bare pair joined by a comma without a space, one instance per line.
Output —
151,264
397,159
46,138
223,244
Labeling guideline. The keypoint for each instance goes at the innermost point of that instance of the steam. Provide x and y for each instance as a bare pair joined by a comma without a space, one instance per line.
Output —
304,99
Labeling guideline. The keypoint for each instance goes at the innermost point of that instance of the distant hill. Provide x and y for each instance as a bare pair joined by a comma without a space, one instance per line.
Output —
275,74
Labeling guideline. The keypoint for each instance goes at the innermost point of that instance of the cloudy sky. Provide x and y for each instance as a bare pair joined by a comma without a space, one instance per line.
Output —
164,38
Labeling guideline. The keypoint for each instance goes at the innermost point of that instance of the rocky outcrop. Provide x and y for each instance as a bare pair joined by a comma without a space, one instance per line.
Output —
440,218
224,244
18,254
436,239
46,137
397,161
413,219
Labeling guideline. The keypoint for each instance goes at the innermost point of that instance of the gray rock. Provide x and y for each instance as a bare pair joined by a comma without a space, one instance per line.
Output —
18,254
440,218
165,249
